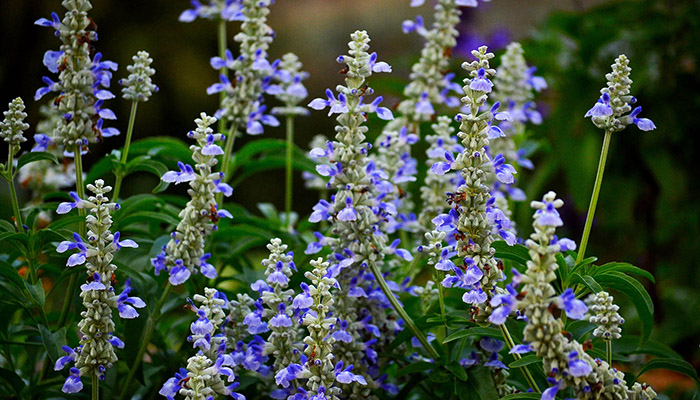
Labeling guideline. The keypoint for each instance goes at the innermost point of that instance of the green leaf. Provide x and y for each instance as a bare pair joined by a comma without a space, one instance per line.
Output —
13,379
563,270
636,293
53,341
481,382
457,370
36,291
625,268
588,281
144,163
517,252
415,367
523,395
476,331
527,360
10,273
585,262
579,328
672,364
35,156
146,216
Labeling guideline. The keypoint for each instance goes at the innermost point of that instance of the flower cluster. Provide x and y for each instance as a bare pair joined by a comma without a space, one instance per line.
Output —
611,110
83,79
184,253
138,86
95,354
243,104
226,10
288,87
564,359
203,379
474,219
13,126
604,315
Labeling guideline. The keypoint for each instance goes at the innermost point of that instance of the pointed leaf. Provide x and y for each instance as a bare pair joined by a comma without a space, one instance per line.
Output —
35,156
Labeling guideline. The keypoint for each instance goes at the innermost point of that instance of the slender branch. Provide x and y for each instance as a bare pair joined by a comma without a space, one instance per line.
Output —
13,192
290,161
402,313
528,376
594,197
608,352
230,140
95,387
121,173
222,41
145,340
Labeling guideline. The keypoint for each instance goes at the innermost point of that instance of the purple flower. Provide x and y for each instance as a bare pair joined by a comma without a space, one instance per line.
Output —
551,393
345,376
440,168
126,304
281,319
223,187
445,264
116,342
321,211
256,120
315,247
65,360
472,359
42,142
65,207
77,258
52,59
446,222
503,305
179,273
423,106
601,108
336,106
94,283
495,362
520,349
341,334
578,367
223,86
173,385
373,329
303,300
254,320
382,112
348,213
644,124
549,216
504,172
55,22
284,376
491,345
73,383
212,149
380,66
227,61
124,243
51,86
186,174
205,268
278,276
399,252
481,82
473,273
574,308
416,343
475,296
564,243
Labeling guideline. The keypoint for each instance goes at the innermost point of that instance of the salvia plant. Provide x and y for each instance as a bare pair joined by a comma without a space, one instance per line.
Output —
407,279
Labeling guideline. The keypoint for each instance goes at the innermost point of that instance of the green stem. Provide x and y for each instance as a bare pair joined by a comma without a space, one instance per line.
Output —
145,340
594,197
80,189
402,313
290,160
13,192
222,41
230,140
608,352
120,172
95,387
528,376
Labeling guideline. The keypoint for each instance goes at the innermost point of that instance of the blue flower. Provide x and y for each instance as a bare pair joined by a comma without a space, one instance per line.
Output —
551,392
336,106
341,334
481,82
52,59
124,243
223,187
472,359
315,247
65,207
223,86
256,119
345,376
348,213
601,108
504,172
51,86
373,329
354,290
173,385
416,343
440,168
475,296
574,308
445,264
227,61
382,112
446,222
281,319
423,105
254,320
380,66
495,362
116,342
549,216
503,305
73,383
179,273
491,345
399,252
186,174
278,276
212,149
644,124
564,243
94,283
55,22
42,142
77,258
286,375
303,300
578,367
126,304
520,349
65,360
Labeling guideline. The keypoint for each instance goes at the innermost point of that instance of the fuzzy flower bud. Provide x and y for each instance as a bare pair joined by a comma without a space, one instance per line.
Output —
138,86
13,127
604,315
288,88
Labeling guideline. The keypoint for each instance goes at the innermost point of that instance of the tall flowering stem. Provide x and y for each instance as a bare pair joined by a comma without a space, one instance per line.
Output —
11,130
96,351
612,113
138,88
